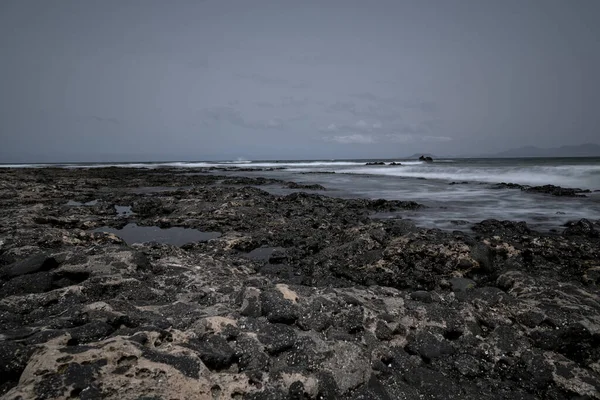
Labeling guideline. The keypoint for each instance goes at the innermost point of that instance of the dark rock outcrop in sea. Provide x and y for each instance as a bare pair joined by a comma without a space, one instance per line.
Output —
302,296
426,159
545,189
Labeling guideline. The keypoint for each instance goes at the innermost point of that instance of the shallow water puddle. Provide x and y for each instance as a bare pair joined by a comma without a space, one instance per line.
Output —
78,203
124,211
133,233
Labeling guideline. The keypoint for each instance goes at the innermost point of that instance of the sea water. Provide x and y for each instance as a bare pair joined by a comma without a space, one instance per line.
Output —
456,192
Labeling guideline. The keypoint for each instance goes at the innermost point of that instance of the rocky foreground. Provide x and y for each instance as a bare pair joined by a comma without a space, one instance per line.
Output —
332,305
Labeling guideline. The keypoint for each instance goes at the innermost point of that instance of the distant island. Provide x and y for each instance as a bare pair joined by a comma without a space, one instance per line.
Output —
582,150
417,155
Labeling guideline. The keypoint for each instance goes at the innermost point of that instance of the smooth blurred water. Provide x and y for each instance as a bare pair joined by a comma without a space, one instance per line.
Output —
457,192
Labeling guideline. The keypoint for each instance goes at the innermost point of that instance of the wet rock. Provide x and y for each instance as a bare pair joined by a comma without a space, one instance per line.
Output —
592,276
468,365
94,331
383,331
302,355
575,342
462,284
429,347
531,318
188,366
318,316
278,309
38,282
348,366
351,320
459,183
381,205
493,227
422,296
504,185
214,352
150,207
277,338
482,254
79,378
432,384
250,356
13,360
557,191
500,312
583,227
31,265
400,227
216,325
545,189
315,186
278,256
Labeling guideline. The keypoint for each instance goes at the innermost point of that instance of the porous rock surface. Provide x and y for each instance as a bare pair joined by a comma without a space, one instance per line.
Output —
333,305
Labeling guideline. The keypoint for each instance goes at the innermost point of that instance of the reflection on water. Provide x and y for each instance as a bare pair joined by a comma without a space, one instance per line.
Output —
133,233
78,203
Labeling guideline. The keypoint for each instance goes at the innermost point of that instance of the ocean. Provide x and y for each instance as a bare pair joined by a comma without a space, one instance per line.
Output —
456,192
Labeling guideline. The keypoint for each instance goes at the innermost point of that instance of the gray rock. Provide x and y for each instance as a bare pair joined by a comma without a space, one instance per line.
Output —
422,296
383,331
428,346
277,338
251,305
318,316
38,282
348,365
462,284
250,355
277,309
13,360
33,264
214,352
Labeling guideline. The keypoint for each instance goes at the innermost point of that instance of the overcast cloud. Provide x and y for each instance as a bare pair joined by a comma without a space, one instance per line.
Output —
219,79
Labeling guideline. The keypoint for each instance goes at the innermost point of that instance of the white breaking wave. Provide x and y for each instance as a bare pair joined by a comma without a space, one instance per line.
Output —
585,176
306,164
240,163
236,162
133,165
582,176
142,165
411,162
187,164
23,165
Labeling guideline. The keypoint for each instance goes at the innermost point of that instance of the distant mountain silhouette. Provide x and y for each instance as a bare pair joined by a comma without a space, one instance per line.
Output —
582,150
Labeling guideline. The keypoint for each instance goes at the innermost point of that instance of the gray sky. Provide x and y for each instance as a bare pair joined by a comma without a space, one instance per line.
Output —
88,80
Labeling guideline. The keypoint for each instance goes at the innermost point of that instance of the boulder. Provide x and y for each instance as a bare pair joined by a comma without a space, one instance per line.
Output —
583,227
31,265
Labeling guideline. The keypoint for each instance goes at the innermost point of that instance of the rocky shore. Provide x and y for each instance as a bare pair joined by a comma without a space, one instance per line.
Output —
298,296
